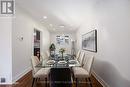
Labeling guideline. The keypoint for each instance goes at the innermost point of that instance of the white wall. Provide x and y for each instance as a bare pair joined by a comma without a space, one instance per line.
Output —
111,18
23,26
6,49
72,36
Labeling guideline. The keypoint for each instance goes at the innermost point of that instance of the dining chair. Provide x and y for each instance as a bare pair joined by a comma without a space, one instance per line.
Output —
47,53
44,56
78,54
84,72
81,58
38,73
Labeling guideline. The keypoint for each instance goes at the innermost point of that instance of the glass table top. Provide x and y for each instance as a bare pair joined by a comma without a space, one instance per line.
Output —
59,62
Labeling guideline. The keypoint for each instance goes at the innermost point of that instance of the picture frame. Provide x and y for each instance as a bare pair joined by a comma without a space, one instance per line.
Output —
89,41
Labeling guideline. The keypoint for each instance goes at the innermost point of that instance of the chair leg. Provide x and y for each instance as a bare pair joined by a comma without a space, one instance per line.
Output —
86,79
90,83
76,79
45,82
33,82
36,79
73,77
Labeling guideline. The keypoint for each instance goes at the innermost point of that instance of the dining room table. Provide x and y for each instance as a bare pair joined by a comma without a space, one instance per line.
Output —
67,61
60,69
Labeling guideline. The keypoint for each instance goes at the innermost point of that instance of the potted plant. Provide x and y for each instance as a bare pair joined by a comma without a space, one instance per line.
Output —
52,49
62,50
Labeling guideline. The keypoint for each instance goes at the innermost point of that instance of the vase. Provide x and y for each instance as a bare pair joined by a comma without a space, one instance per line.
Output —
62,55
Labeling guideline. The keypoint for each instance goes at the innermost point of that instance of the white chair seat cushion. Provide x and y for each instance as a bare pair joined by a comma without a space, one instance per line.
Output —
42,73
80,72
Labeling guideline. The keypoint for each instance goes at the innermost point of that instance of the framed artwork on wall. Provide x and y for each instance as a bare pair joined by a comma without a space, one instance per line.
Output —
89,41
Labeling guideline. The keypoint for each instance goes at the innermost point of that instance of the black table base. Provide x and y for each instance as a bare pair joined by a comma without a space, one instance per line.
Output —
60,77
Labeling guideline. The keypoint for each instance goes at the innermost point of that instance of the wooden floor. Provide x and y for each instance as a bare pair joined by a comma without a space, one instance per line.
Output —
26,81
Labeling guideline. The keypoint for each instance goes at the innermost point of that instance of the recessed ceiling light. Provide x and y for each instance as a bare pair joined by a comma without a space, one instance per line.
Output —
44,17
62,26
51,25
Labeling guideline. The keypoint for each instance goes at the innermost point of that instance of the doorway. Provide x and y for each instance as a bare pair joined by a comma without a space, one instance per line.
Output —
37,41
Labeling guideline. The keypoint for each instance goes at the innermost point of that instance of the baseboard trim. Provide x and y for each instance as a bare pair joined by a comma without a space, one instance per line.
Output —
5,84
100,80
17,77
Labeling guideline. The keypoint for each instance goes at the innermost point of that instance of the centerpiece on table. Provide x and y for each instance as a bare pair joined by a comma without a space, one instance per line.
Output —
62,50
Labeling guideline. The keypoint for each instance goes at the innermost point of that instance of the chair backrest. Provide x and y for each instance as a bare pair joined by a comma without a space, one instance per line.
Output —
85,59
34,62
78,54
41,58
81,58
47,53
45,56
89,63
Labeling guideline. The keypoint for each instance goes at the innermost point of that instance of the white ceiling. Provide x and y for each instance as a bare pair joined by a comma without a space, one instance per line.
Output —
70,13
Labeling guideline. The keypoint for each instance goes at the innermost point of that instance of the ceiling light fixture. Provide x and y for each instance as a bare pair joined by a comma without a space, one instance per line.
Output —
44,17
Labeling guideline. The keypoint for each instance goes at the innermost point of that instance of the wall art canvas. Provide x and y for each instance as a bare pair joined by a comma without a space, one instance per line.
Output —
89,41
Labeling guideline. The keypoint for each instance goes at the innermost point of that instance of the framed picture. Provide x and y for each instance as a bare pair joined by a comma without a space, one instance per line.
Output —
89,41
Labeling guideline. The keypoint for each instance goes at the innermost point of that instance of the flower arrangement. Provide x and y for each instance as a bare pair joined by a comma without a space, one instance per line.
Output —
62,50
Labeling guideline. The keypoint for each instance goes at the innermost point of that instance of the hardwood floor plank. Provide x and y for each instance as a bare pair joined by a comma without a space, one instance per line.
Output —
26,81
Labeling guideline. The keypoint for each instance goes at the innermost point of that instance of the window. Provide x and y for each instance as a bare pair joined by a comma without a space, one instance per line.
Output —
61,40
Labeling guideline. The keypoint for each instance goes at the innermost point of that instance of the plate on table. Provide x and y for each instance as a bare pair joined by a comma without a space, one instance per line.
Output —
72,61
62,62
50,61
